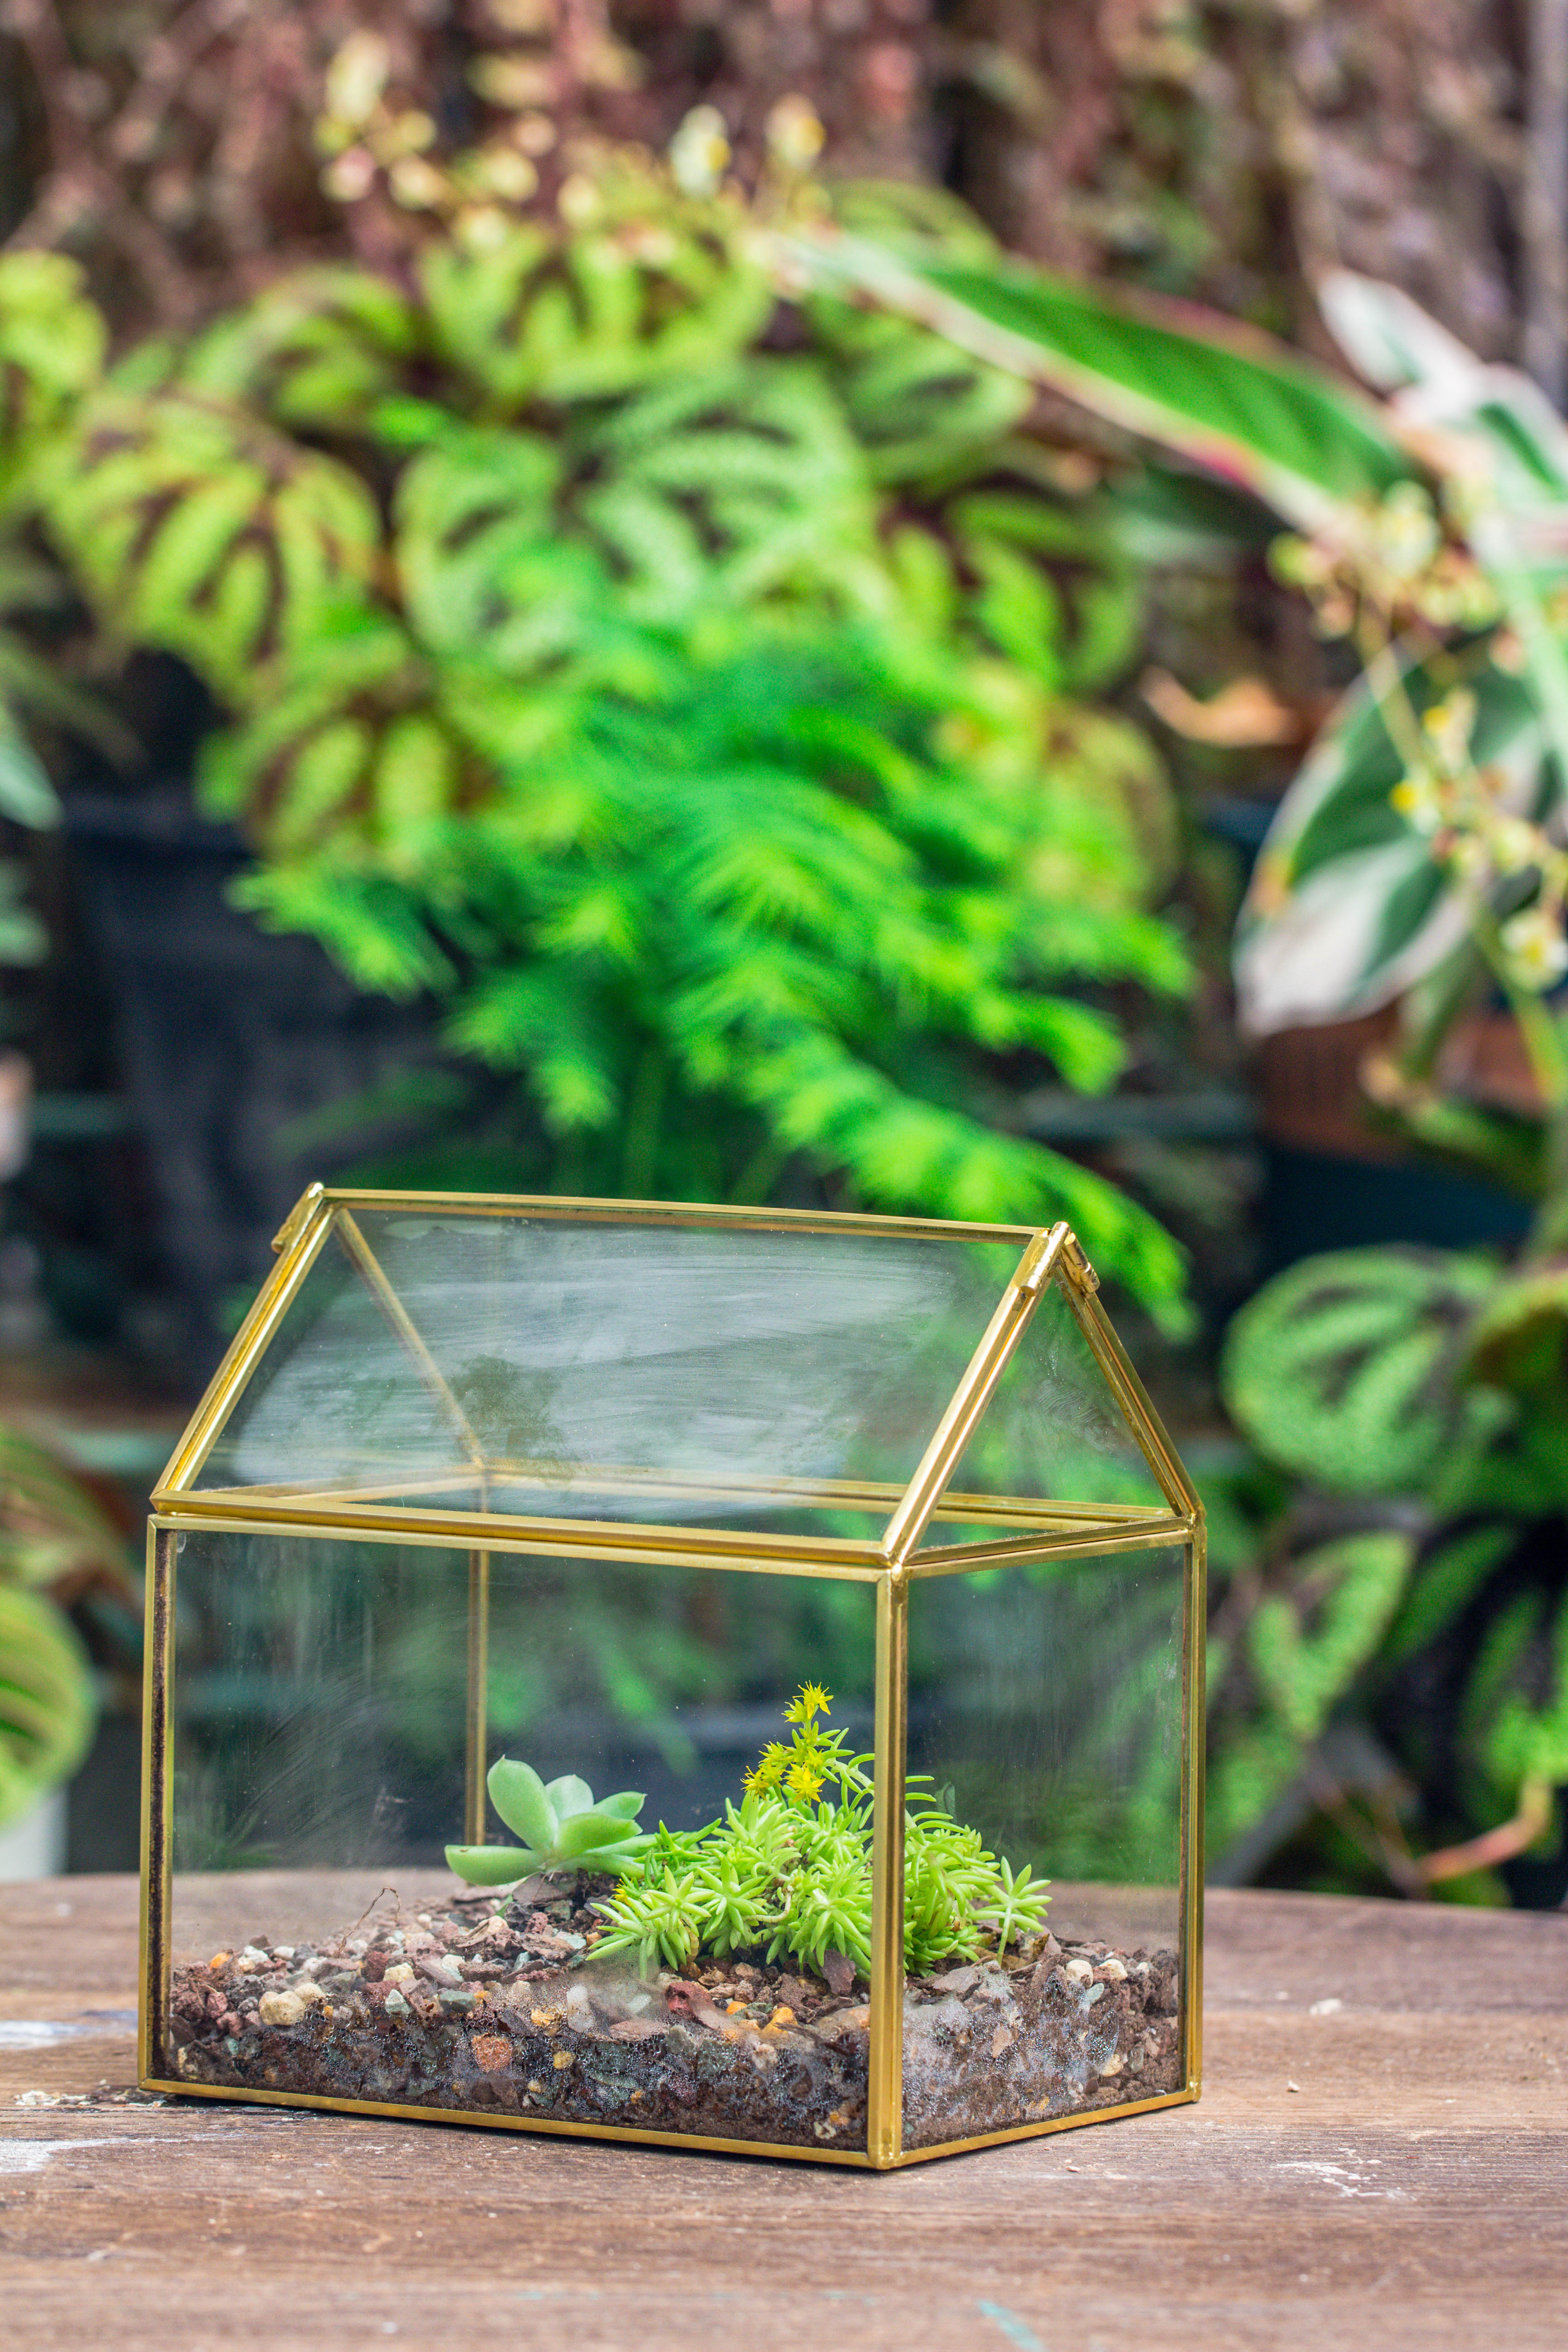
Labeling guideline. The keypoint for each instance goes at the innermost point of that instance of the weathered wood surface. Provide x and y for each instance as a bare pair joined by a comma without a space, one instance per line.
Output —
1410,2190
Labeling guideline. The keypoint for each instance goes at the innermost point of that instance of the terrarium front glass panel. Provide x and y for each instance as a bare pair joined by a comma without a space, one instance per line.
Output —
642,1941
539,1366
1045,1713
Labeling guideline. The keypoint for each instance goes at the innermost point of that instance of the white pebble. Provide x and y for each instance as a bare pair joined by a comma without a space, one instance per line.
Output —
1080,1971
400,1974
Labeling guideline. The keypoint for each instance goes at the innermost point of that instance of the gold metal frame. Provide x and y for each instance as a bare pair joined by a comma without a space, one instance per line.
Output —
1029,1530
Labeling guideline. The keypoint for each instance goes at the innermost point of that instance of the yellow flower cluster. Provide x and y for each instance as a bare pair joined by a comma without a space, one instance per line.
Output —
1463,807
800,1768
1394,557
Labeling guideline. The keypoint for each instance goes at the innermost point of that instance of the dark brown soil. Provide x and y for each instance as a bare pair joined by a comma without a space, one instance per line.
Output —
500,2008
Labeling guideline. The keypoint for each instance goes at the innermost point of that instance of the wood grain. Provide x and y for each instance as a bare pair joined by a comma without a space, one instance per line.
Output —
1411,2192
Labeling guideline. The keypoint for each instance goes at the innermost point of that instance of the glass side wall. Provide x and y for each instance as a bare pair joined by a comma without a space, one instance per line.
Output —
619,1371
1046,1710
322,1946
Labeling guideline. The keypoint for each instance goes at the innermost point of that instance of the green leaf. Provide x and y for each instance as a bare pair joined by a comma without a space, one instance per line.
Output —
570,1795
159,497
47,1708
1345,1368
1306,1647
519,1795
1221,395
624,1806
491,1865
1347,905
586,1832
26,795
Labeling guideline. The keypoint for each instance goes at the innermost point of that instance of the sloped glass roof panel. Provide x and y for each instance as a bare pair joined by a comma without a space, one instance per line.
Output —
1052,1431
638,1372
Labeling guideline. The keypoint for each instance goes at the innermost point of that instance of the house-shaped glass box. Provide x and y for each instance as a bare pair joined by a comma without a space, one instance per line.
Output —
757,1606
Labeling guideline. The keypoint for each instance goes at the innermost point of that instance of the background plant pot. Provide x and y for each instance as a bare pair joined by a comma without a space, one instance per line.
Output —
227,1037
1332,1181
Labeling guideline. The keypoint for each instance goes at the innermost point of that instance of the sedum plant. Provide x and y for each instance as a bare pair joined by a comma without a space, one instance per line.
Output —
789,1870
563,1827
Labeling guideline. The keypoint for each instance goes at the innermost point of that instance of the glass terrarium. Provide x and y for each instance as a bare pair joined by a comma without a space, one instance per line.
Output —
721,1677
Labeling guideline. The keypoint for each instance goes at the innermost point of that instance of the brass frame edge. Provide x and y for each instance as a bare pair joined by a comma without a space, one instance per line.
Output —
1010,1319
1115,1536
635,1545
476,1732
853,2156
849,2158
157,1879
592,1209
1194,1752
1047,2123
885,2024
851,1563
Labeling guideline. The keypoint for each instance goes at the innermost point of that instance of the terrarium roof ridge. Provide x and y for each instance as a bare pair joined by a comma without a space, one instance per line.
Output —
590,1209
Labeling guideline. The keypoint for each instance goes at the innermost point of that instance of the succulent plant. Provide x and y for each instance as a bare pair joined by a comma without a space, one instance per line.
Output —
563,1827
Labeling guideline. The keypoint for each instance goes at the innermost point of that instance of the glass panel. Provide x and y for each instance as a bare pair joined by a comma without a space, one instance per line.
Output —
614,1372
1052,1429
322,1946
1045,1705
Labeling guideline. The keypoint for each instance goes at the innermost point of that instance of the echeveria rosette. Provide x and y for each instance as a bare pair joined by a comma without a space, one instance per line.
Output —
562,1827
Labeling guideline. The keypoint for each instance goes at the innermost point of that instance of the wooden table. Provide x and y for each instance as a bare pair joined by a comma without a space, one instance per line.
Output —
1380,2159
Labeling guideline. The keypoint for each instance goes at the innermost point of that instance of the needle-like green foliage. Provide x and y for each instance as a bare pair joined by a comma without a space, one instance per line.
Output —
564,1825
789,1869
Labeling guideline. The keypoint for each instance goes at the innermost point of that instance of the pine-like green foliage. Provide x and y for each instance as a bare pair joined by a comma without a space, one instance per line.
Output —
790,1869
677,680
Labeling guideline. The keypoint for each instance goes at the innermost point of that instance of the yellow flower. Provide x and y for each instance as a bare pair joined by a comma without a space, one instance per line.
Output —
1536,946
813,1701
1420,798
769,1769
804,1780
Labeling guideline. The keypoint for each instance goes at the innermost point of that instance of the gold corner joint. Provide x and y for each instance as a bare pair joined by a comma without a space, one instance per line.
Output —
298,1218
1075,1264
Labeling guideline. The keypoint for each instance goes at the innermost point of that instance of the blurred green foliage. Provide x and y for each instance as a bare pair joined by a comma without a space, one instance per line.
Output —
684,685
57,1544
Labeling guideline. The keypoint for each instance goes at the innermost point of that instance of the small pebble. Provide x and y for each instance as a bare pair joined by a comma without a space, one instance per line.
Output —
400,1974
561,2060
1112,1970
395,2004
282,2008
1080,1971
